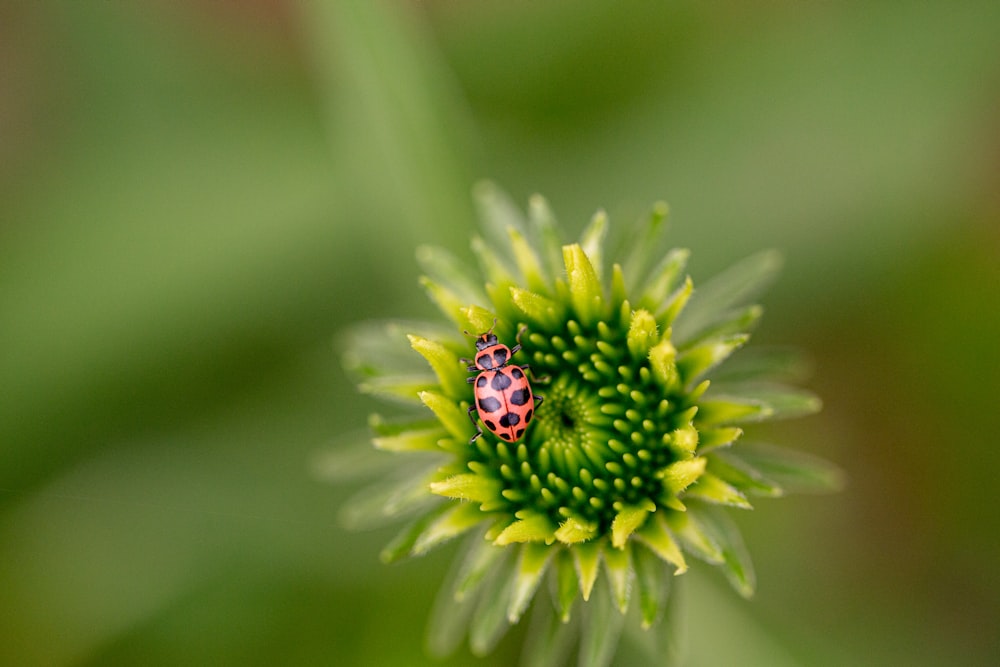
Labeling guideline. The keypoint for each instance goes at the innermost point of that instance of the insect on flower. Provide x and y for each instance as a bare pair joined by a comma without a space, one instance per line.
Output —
503,394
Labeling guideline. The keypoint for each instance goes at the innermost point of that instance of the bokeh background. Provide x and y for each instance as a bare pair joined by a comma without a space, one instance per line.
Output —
196,195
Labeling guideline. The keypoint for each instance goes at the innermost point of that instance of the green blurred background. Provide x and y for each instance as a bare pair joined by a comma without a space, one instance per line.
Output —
196,195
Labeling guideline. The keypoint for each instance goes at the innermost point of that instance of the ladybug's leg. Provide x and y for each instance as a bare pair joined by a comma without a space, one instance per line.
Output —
479,430
531,374
538,399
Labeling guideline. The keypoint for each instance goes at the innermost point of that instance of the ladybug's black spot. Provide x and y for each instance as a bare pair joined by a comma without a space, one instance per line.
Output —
484,361
519,433
500,382
481,381
516,373
490,425
500,356
506,436
489,404
528,416
510,419
520,396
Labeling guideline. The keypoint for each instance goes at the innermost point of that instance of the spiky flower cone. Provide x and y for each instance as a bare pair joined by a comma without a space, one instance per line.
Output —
627,463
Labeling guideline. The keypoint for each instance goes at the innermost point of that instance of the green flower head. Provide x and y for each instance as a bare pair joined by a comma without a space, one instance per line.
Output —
630,457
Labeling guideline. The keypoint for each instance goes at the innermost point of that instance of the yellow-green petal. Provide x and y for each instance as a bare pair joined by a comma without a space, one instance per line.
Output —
656,535
642,334
587,559
714,490
445,364
681,474
627,521
576,529
532,527
585,290
452,417
469,486
458,519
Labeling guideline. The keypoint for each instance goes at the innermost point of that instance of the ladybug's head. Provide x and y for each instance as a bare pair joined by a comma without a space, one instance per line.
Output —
488,339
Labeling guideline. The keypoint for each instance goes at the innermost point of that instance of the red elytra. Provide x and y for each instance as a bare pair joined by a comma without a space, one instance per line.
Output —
504,400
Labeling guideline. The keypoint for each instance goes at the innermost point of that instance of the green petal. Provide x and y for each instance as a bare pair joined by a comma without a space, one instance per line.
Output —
602,627
445,364
549,640
448,302
757,363
449,620
734,287
694,362
592,241
627,521
656,535
714,490
469,486
619,291
382,503
737,321
714,438
757,402
493,266
481,559
784,402
444,269
527,261
694,537
388,427
452,417
736,562
423,440
528,574
497,211
402,544
584,286
664,279
791,471
541,309
489,622
725,410
380,348
674,304
352,460
652,583
586,557
459,518
543,222
644,242
398,388
730,468
566,583
618,563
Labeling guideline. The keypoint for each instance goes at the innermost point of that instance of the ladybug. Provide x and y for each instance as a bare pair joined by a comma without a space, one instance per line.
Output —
503,395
